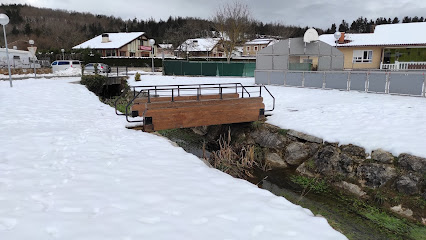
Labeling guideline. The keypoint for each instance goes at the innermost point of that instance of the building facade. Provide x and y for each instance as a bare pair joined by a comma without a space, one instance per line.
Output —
391,46
132,44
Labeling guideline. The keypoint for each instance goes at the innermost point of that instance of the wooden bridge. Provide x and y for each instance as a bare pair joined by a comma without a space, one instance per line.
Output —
183,106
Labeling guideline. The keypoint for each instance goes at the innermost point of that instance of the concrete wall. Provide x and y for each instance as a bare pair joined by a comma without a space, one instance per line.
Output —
278,56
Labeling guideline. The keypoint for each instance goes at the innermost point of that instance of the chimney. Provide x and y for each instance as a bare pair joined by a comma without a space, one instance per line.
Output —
105,38
342,38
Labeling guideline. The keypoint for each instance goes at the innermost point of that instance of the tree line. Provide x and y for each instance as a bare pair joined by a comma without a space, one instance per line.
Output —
53,30
363,25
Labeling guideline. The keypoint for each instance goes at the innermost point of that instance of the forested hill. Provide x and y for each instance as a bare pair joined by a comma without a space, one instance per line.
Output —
55,29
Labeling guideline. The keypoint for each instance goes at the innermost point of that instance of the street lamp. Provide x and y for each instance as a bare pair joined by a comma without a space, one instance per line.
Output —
33,50
63,55
151,43
4,20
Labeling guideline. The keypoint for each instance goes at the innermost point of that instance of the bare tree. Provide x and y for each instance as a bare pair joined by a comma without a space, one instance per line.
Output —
232,21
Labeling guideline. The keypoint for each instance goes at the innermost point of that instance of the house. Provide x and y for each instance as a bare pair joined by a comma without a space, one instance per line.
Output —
391,46
165,50
122,44
251,48
200,48
17,58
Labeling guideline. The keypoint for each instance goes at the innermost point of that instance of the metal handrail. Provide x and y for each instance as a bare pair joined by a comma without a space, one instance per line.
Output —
179,87
220,87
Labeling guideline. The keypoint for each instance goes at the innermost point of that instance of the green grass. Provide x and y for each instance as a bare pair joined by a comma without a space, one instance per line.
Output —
283,132
314,184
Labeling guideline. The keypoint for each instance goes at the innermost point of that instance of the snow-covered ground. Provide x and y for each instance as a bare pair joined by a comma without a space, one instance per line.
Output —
69,169
393,123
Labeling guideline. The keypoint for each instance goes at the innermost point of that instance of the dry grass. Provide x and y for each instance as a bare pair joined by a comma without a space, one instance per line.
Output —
237,162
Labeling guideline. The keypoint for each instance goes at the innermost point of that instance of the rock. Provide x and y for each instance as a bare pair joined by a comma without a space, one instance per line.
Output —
327,160
296,153
424,221
200,130
267,139
275,161
407,185
382,156
348,164
412,163
352,188
375,175
406,212
353,150
305,171
304,136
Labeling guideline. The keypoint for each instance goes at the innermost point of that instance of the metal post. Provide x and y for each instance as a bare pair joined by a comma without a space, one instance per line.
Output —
173,97
149,97
7,55
178,91
35,73
152,57
260,91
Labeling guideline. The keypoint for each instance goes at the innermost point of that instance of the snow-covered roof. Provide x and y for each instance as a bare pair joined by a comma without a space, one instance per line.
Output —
165,45
384,35
116,40
198,44
260,41
15,51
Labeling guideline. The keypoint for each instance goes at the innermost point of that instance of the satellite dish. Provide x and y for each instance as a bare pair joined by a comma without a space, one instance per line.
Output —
337,35
311,35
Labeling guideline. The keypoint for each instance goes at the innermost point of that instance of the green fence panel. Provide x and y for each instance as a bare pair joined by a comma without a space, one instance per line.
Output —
209,68
191,68
249,69
172,68
237,69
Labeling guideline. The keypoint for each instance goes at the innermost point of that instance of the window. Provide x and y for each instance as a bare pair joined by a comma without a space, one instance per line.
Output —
132,54
248,49
363,56
63,63
76,62
123,53
255,48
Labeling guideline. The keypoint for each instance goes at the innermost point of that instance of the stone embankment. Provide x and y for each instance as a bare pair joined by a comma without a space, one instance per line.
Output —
398,182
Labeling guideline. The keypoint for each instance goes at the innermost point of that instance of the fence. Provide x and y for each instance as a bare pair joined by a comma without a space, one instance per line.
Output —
237,69
403,66
401,83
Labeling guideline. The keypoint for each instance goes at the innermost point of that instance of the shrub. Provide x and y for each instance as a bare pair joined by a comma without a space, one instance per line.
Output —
137,77
94,83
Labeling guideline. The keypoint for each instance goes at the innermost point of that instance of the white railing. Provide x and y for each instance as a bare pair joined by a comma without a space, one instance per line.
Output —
403,66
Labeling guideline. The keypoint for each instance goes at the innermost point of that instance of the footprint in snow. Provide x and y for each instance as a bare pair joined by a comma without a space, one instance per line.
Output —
7,224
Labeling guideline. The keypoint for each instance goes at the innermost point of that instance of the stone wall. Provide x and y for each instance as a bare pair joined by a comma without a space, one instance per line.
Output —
347,167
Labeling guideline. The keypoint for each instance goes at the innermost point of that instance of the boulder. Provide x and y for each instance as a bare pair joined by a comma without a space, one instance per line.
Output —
348,164
305,171
351,188
382,156
402,211
412,163
375,175
353,150
268,139
327,160
407,185
275,161
296,153
304,136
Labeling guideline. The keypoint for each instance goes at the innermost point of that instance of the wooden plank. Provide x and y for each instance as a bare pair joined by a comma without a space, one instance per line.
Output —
154,105
244,110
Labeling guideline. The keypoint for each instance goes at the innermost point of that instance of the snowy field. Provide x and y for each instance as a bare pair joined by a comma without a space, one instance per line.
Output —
393,123
69,169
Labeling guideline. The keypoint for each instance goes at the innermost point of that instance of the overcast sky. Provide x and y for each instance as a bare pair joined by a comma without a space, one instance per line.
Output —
312,13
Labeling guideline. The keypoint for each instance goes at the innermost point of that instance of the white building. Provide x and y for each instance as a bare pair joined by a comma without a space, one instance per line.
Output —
17,58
